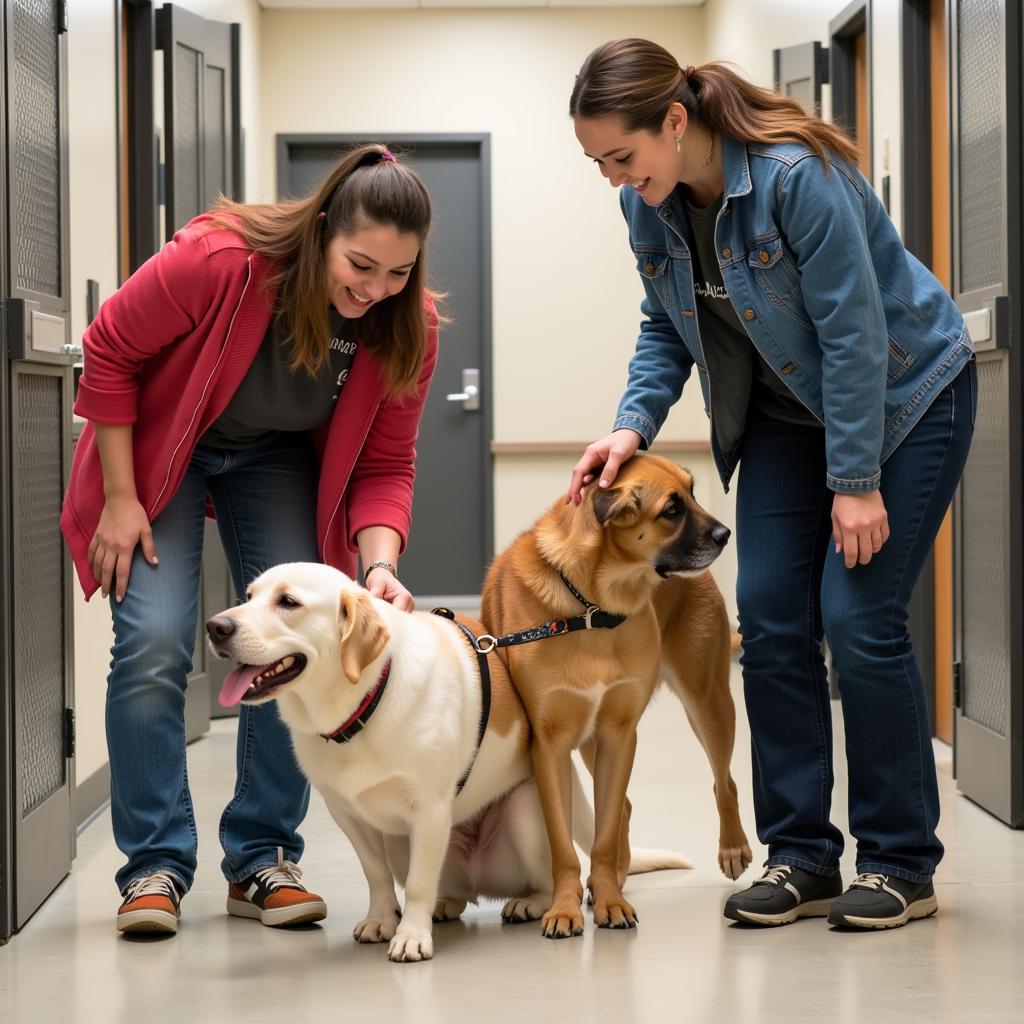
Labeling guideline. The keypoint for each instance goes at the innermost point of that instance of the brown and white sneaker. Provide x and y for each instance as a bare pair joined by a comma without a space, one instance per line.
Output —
275,897
151,904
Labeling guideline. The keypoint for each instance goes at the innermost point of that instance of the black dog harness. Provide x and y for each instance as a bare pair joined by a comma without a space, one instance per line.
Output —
485,690
592,618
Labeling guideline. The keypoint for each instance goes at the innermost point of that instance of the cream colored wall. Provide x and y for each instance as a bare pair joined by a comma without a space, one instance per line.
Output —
565,289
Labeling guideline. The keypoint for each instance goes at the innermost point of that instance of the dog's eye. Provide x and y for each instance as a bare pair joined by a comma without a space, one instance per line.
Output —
287,601
672,511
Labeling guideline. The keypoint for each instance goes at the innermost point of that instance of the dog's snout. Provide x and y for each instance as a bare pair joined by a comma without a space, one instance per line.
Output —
720,535
220,627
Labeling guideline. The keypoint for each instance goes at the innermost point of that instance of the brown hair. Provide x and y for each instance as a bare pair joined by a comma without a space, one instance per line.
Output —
638,81
366,186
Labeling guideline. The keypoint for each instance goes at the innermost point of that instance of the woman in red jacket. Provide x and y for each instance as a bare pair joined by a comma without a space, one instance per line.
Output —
271,361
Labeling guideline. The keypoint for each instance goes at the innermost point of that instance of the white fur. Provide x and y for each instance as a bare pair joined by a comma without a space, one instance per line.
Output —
392,787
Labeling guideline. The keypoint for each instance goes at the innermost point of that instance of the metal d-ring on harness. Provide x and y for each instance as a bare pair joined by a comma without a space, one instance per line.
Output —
592,618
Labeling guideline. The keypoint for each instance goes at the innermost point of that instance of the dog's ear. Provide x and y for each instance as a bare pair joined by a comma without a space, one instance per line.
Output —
363,633
620,505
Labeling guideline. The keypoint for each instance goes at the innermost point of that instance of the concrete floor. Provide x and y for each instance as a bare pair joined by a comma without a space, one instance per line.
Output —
684,962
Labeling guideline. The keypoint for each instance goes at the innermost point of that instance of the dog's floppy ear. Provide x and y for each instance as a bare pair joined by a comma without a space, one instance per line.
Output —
621,504
363,633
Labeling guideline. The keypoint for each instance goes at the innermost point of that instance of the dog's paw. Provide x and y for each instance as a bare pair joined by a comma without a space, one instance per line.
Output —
411,944
448,910
376,929
527,908
734,860
614,913
562,921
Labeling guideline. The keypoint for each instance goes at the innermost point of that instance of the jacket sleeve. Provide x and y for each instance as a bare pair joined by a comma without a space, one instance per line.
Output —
162,301
659,368
379,492
823,218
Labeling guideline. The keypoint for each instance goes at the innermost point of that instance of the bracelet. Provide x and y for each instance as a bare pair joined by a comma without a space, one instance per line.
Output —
381,563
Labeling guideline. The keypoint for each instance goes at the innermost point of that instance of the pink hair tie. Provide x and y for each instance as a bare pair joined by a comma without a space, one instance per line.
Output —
688,72
386,155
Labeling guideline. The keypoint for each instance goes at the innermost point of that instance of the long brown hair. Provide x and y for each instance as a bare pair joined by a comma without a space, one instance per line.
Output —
366,186
638,81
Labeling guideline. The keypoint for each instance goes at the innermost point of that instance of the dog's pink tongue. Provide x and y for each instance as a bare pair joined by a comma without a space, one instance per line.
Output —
237,683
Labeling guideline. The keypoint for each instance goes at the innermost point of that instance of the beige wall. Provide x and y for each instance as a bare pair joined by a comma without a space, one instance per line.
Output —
566,292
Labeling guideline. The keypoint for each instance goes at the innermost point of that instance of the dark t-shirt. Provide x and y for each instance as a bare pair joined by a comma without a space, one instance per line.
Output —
272,398
739,377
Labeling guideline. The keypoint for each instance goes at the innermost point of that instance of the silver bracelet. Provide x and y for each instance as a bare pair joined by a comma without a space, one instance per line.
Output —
381,563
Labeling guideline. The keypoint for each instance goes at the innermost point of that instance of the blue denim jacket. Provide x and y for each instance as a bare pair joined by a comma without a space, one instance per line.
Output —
861,332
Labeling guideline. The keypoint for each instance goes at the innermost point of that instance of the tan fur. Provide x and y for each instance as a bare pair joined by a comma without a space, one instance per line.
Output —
588,689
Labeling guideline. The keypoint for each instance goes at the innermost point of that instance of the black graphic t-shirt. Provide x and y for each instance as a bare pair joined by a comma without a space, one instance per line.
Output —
272,398
739,377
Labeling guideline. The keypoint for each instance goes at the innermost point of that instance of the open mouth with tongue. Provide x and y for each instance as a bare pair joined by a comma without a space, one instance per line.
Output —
258,682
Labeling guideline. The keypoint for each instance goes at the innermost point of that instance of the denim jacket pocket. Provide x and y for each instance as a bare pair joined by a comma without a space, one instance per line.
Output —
900,360
772,269
653,264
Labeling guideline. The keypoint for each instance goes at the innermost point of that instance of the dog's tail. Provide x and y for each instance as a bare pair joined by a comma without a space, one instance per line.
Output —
640,861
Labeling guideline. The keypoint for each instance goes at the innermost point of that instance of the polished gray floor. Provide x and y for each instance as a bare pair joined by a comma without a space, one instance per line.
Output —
684,962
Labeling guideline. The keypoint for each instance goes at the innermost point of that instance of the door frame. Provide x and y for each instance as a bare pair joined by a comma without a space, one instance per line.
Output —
425,141
843,29
994,770
916,200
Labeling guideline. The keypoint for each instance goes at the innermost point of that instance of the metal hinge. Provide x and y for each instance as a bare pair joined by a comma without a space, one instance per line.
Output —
62,18
69,732
958,684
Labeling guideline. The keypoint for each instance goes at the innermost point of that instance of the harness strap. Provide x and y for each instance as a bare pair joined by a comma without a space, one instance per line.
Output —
485,690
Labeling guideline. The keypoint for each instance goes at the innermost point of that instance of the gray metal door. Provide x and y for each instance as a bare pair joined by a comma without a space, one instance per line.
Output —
200,62
800,71
452,533
36,409
986,133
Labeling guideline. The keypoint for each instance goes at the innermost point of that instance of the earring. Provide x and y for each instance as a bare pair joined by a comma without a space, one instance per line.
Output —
679,139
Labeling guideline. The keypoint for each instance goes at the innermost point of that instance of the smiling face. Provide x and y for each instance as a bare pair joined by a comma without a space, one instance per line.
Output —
646,161
368,266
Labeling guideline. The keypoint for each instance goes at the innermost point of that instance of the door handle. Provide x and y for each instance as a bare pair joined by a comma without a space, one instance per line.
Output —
469,396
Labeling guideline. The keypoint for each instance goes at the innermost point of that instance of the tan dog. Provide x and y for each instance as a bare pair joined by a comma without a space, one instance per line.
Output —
405,690
641,549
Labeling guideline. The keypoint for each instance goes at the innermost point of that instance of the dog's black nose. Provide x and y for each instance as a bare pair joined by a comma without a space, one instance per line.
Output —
220,627
720,535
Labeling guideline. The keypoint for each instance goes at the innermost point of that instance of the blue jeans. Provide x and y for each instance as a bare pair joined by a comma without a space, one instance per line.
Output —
792,590
265,501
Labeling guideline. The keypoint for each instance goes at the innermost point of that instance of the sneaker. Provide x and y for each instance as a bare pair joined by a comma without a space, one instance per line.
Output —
275,897
782,894
151,904
875,900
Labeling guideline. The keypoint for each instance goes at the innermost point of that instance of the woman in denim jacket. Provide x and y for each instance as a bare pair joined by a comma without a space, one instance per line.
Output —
838,375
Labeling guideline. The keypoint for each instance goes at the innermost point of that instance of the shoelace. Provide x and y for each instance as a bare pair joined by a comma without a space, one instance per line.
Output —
160,883
775,874
284,872
869,880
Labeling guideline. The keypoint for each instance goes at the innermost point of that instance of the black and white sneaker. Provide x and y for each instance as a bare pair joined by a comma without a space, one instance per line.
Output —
875,900
782,894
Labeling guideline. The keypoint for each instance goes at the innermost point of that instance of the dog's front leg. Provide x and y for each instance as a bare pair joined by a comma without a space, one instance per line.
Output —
429,835
613,764
381,921
552,769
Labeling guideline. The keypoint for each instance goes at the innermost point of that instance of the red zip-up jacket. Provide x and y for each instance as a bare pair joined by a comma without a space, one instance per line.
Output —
169,349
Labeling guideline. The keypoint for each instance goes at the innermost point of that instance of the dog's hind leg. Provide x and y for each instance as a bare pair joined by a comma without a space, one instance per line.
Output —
703,690
521,867
381,921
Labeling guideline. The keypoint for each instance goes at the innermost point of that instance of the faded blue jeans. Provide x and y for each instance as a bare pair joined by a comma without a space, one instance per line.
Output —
265,501
792,590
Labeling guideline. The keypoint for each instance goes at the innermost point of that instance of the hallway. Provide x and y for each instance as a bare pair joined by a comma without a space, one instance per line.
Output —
684,962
